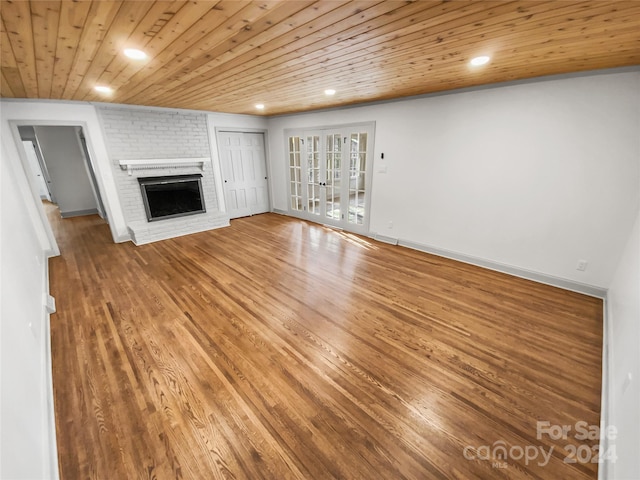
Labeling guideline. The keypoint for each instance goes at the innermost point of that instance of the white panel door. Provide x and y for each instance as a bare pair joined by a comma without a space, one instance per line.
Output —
244,173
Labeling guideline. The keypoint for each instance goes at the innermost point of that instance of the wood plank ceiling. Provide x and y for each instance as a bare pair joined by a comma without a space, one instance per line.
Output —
229,55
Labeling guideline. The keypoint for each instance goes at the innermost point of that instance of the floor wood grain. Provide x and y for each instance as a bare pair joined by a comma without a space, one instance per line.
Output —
277,348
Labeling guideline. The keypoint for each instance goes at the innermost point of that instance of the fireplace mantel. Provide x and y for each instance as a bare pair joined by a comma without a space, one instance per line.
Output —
151,163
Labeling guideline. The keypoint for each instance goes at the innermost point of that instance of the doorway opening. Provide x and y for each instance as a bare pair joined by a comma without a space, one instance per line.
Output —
59,160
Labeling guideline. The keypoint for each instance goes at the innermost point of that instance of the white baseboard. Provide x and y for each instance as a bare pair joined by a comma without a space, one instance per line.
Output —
591,290
79,213
385,239
121,238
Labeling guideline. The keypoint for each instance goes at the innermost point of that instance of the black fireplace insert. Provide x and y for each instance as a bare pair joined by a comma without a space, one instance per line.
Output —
172,196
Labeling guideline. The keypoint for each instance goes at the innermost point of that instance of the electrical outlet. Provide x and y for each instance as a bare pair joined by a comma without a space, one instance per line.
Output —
582,265
390,225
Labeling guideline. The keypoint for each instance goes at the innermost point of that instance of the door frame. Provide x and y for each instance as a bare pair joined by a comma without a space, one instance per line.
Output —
218,171
302,132
93,181
41,168
17,139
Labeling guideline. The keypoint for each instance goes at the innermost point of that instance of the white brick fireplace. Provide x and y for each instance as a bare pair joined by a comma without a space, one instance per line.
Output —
149,143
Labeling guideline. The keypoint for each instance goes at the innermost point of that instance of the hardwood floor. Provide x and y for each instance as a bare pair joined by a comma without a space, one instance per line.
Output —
279,349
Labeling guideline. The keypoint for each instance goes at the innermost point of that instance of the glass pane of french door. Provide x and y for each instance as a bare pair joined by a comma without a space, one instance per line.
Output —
313,174
295,173
357,178
333,176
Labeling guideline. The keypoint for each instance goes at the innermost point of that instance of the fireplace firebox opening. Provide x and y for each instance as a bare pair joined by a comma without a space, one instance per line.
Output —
172,196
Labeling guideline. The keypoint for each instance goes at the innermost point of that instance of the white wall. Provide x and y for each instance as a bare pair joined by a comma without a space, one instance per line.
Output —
68,173
25,421
534,176
69,113
624,317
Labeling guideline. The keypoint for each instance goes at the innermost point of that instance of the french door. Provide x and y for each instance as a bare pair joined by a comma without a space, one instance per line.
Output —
330,175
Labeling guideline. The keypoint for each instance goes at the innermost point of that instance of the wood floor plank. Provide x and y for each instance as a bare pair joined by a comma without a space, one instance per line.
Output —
277,348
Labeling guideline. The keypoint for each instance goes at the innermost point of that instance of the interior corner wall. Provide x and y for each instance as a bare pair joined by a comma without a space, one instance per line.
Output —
535,175
29,112
25,421
623,303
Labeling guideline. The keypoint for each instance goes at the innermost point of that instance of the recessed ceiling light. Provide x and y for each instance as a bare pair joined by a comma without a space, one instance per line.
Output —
135,54
260,106
480,60
329,92
103,89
